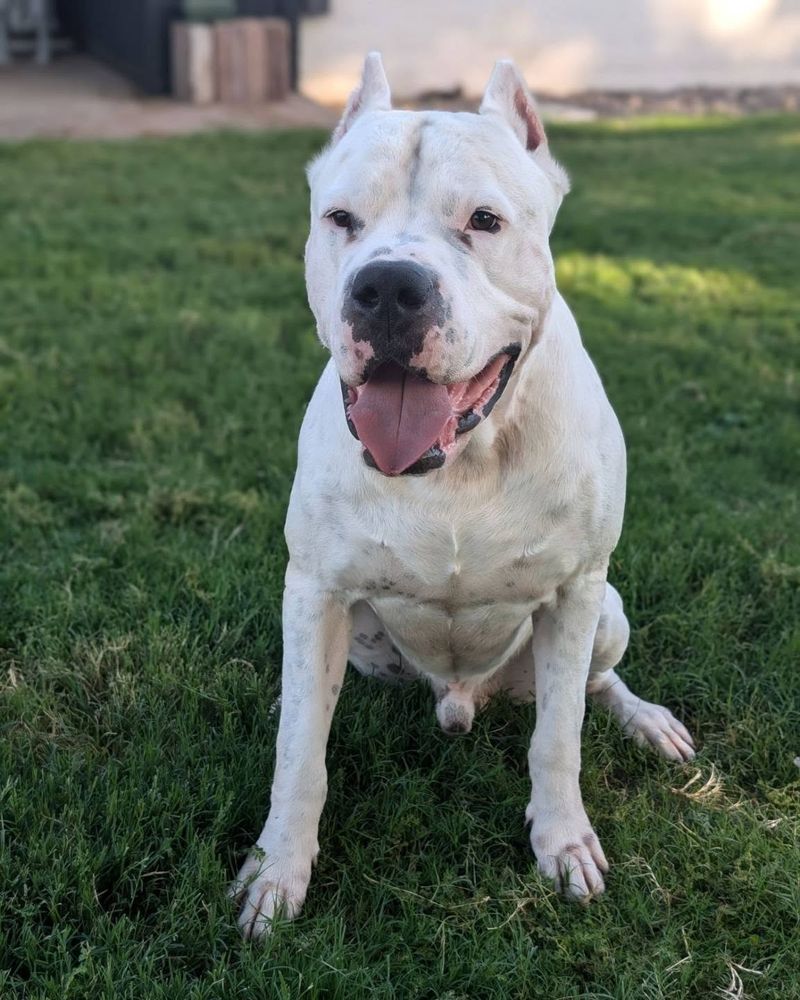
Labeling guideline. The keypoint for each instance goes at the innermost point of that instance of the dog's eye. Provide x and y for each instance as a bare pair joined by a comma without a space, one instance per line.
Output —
484,221
342,219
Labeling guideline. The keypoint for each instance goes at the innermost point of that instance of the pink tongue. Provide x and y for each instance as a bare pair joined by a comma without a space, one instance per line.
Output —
398,416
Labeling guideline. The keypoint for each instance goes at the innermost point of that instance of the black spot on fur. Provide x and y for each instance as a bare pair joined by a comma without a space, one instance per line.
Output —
355,227
559,512
363,640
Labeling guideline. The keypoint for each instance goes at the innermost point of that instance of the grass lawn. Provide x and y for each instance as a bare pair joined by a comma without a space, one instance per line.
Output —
156,353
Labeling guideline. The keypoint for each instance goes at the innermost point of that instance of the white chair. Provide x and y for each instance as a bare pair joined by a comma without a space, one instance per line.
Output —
5,54
25,15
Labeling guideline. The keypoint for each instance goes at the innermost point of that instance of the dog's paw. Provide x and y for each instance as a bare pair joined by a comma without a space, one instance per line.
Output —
569,853
654,726
267,891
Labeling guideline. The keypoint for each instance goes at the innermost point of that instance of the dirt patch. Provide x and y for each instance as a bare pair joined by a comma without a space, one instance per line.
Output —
590,104
76,97
690,101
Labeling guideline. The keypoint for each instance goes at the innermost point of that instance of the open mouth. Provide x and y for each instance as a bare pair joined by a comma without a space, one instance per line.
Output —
408,424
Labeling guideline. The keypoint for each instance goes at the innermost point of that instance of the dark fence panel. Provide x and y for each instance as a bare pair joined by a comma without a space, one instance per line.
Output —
289,9
133,35
314,7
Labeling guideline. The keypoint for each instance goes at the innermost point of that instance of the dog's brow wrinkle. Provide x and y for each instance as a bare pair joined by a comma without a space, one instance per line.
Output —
414,160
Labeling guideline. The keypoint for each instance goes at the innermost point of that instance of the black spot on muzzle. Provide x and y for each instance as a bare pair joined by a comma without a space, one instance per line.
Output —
392,305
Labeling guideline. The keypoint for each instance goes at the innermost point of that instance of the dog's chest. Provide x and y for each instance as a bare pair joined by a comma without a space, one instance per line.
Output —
455,595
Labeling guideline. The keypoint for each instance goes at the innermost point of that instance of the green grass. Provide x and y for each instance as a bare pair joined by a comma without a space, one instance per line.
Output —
156,354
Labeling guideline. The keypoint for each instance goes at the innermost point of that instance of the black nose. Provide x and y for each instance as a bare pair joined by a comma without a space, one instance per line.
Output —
390,290
393,304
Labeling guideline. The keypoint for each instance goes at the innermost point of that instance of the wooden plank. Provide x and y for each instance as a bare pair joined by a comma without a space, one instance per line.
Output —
241,60
193,63
278,46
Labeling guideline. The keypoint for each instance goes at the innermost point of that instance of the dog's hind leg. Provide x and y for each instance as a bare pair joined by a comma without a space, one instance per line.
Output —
647,724
373,653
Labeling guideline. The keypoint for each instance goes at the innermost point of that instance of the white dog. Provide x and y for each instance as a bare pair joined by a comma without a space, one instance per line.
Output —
454,519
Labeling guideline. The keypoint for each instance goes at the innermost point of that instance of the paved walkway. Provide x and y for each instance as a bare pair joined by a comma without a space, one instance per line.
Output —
77,97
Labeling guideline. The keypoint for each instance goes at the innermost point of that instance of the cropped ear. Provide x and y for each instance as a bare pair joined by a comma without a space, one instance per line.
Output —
372,94
508,96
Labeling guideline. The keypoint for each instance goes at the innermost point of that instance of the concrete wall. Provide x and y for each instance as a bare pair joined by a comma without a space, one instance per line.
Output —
561,45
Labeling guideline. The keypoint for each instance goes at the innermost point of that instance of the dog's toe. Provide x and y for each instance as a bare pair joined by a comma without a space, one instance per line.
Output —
571,856
263,903
265,896
657,727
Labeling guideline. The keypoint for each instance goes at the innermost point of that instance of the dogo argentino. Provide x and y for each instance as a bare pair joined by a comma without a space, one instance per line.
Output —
453,520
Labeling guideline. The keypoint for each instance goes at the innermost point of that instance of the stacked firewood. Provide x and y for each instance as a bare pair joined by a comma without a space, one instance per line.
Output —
241,60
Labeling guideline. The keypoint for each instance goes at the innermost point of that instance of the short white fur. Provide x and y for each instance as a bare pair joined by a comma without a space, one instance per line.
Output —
489,573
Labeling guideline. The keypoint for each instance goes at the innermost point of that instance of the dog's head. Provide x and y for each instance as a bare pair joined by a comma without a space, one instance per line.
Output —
428,265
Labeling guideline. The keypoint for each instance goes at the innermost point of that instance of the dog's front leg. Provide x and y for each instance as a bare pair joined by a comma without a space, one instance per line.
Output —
316,636
566,847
